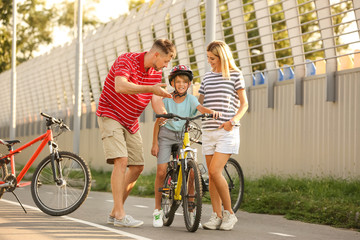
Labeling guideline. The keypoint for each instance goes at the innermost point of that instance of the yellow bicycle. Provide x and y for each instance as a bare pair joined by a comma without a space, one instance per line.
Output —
182,183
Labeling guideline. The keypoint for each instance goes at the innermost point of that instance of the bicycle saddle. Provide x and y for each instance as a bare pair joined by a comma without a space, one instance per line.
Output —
9,143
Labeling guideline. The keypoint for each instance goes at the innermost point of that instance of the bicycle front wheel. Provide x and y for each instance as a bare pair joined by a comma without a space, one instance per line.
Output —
235,179
69,192
192,197
3,174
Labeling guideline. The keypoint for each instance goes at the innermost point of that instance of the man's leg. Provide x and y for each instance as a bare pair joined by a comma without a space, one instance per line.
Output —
118,187
131,176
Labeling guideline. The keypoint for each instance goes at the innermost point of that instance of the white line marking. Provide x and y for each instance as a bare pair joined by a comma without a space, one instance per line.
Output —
281,234
141,206
110,200
86,222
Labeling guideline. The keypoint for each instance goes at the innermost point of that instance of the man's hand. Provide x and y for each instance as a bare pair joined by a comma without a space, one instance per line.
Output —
159,91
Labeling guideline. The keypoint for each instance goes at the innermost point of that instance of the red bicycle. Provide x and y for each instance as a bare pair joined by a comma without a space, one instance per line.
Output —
60,183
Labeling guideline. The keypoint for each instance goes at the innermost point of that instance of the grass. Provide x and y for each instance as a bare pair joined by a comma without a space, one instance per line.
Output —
328,201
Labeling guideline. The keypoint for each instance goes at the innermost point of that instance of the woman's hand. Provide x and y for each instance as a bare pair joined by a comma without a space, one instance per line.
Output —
227,126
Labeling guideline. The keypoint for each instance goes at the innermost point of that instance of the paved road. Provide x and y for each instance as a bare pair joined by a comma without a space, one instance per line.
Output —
88,222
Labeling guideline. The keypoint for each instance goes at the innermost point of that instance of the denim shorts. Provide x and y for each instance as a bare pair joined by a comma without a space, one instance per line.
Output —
221,141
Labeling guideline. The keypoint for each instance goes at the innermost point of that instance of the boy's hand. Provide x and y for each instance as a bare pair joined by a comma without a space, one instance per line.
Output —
162,121
155,150
216,114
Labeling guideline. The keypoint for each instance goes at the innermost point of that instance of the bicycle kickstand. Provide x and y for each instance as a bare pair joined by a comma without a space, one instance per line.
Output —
19,202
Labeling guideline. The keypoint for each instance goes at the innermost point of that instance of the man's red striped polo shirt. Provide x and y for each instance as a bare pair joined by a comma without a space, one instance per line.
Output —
127,108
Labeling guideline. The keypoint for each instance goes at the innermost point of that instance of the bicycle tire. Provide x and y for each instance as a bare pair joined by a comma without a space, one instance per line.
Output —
4,173
235,179
168,204
192,202
55,199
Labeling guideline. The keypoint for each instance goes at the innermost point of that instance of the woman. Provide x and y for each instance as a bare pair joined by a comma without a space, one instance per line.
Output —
222,90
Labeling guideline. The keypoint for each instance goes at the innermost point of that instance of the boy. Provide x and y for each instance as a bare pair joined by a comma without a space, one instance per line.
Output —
170,133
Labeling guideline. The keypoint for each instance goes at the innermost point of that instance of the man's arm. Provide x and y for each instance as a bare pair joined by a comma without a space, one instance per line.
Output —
122,85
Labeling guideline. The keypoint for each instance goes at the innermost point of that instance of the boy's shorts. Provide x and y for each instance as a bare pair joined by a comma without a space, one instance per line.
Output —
118,142
221,141
166,139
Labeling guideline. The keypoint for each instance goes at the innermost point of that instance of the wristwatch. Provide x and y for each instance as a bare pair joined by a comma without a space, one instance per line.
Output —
234,123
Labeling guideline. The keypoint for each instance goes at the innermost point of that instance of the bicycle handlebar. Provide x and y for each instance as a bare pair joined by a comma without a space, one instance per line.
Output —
53,120
171,115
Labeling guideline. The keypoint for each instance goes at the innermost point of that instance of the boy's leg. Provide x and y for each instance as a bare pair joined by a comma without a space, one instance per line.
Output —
159,182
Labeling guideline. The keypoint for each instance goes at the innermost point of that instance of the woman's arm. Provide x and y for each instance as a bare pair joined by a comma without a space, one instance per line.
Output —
241,111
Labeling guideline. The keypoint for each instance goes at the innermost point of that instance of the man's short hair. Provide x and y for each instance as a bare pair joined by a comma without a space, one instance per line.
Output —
165,46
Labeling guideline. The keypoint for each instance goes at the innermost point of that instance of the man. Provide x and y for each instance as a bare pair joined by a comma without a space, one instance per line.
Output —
133,80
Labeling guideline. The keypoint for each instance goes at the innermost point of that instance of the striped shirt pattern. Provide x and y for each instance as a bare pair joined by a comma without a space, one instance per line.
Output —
221,95
127,108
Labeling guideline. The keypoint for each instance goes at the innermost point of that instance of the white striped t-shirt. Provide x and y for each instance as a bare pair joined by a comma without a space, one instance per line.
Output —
220,95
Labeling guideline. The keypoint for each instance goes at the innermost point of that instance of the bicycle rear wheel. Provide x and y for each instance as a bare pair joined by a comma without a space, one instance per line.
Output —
3,174
235,179
168,204
64,197
192,198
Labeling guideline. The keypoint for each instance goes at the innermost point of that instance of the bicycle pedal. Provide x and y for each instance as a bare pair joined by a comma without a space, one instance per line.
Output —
164,190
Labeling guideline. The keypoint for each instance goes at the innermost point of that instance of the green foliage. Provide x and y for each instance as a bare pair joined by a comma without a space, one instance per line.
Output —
322,201
35,23
33,28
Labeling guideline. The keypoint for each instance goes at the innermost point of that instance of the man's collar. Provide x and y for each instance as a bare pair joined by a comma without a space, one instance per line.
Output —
142,61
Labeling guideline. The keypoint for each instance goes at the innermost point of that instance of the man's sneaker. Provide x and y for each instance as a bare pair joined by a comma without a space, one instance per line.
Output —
213,223
228,221
127,221
110,220
158,218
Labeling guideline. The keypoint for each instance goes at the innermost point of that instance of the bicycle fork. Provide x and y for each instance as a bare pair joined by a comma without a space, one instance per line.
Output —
55,165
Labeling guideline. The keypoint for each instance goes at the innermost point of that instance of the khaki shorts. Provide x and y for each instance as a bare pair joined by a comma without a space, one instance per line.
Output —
118,142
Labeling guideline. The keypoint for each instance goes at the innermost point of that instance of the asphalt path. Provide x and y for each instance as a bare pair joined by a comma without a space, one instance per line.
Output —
89,222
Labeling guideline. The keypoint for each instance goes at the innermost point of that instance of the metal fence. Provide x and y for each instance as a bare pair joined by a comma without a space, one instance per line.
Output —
278,44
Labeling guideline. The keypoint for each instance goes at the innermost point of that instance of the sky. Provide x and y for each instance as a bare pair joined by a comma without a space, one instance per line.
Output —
105,10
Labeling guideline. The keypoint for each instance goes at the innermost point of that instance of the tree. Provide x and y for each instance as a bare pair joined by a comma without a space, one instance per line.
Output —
35,24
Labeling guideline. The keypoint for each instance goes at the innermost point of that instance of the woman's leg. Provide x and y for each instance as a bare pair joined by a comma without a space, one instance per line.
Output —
217,181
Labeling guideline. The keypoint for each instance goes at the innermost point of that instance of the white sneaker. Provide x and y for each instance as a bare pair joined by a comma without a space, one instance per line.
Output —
228,221
127,221
213,223
158,218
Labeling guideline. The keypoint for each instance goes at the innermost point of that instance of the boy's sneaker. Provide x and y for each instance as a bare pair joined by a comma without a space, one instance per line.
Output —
158,218
127,221
213,223
110,220
228,221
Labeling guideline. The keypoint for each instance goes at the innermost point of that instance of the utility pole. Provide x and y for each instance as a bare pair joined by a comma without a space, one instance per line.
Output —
210,26
78,80
13,77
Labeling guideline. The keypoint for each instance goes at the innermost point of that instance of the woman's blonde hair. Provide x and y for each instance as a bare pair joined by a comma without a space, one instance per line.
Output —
222,50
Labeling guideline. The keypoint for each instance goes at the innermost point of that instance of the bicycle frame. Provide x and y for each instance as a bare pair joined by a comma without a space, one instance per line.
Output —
182,156
45,138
